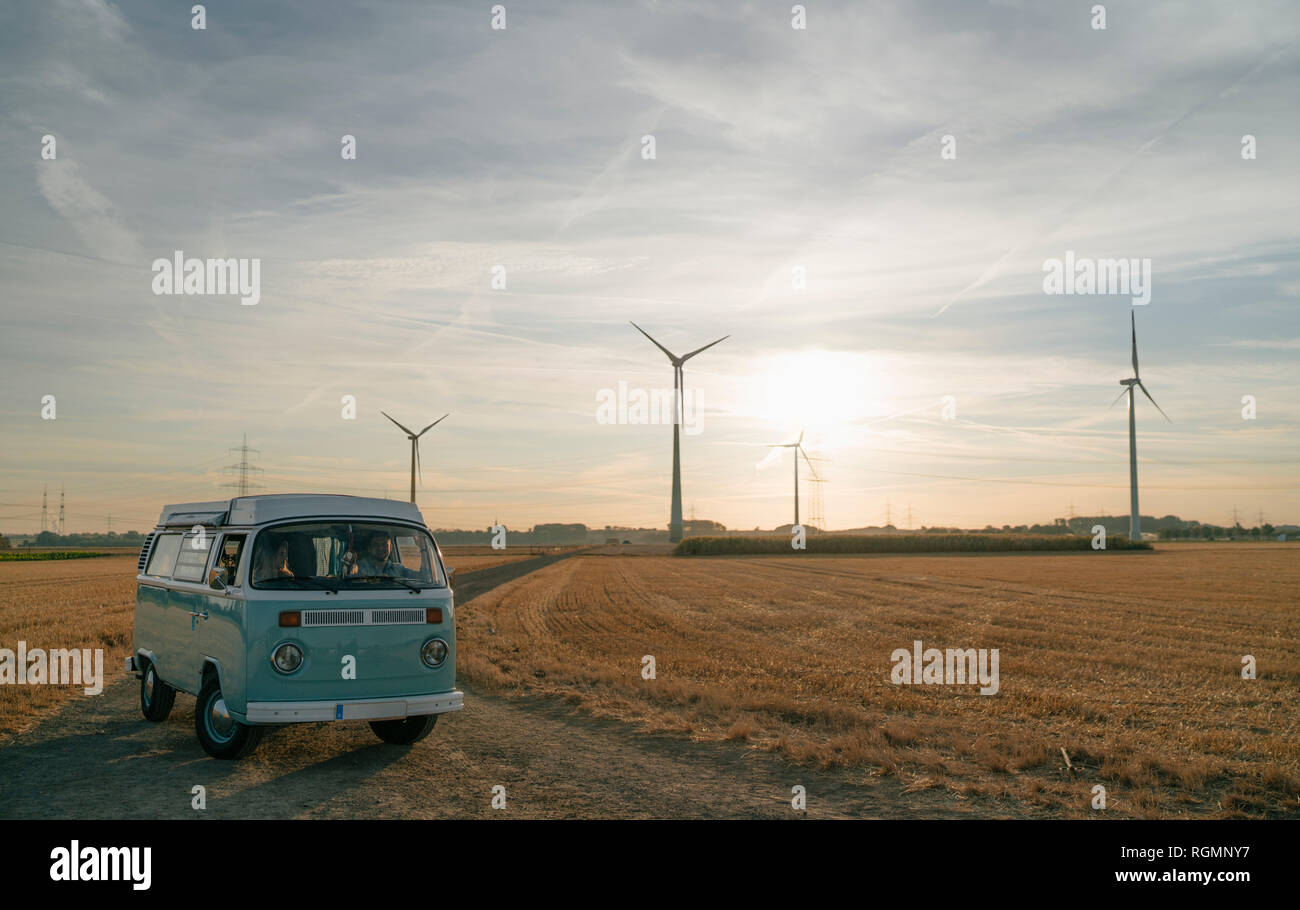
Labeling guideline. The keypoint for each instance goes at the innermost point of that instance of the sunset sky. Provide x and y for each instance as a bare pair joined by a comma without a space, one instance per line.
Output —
775,148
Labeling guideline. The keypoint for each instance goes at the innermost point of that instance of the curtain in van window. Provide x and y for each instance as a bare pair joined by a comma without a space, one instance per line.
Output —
324,552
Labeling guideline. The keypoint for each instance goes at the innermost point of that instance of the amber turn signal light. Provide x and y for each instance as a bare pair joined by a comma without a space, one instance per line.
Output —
433,614
290,618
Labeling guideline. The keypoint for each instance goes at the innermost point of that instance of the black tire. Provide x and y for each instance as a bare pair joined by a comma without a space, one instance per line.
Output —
228,740
406,731
156,697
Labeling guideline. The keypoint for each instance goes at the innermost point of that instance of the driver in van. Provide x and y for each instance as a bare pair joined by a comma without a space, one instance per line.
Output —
377,559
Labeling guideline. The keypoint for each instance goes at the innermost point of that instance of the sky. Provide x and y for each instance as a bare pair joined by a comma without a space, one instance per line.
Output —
922,357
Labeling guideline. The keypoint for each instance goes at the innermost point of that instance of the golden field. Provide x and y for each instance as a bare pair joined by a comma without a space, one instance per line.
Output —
73,603
1131,662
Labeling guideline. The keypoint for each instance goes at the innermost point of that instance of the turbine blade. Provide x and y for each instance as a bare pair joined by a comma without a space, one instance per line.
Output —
419,466
1122,393
799,441
686,357
671,355
432,425
809,463
1153,401
1133,321
399,426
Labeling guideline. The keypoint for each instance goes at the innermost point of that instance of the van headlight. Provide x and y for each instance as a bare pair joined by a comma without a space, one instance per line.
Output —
287,657
434,652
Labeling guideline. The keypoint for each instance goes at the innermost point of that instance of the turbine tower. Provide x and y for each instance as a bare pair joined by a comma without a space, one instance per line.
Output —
1135,517
415,447
675,517
797,445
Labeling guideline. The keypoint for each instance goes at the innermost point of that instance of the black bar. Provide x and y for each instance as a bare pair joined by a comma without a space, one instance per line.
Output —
658,859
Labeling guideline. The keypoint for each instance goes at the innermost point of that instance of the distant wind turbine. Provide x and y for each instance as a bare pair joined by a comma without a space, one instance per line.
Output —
797,445
415,447
1135,517
675,517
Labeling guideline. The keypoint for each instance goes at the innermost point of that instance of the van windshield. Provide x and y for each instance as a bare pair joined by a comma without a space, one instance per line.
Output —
344,556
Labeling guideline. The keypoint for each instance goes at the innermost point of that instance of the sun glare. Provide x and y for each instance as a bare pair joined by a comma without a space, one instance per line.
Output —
824,392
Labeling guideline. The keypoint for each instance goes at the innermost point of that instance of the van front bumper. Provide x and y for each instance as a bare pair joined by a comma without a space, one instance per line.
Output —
296,712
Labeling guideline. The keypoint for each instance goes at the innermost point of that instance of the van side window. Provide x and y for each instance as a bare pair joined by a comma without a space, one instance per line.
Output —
163,558
232,551
193,557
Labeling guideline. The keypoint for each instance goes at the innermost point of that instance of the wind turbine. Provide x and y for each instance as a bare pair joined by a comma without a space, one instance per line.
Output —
675,518
1135,517
415,446
797,445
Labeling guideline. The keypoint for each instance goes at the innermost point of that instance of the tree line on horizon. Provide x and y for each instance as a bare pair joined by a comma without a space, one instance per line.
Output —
1170,527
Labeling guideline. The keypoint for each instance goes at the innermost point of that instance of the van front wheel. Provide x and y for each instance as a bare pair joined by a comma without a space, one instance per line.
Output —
406,731
156,697
220,735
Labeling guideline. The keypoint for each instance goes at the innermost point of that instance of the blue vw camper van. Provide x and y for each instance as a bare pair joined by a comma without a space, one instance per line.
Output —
294,608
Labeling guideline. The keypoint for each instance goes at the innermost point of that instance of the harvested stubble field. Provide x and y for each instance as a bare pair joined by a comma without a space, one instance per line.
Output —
1131,662
473,558
68,603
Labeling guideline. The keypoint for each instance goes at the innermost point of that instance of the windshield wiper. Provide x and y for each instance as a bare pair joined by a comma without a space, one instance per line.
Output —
400,581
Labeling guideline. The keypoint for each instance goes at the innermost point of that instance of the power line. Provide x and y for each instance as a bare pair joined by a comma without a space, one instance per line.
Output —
244,467
817,517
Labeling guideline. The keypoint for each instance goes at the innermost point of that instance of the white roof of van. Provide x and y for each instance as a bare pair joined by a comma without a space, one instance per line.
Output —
256,510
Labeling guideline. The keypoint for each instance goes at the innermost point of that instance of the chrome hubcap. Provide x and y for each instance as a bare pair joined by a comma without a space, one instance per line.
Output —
220,722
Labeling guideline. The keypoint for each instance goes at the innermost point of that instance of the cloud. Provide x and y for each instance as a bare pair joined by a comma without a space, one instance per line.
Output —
94,218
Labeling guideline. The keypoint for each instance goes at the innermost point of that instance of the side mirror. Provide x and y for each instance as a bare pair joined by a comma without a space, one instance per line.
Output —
217,579
450,572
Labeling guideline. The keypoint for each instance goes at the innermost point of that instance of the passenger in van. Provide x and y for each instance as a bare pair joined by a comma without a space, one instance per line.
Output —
272,561
301,555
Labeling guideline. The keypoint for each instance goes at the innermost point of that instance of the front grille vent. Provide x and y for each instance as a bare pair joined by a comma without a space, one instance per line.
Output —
400,617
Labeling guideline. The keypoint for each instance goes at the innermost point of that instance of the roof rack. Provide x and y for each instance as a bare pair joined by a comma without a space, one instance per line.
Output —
188,514
264,508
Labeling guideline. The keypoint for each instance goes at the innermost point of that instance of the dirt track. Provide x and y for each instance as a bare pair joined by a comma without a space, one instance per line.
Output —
97,758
